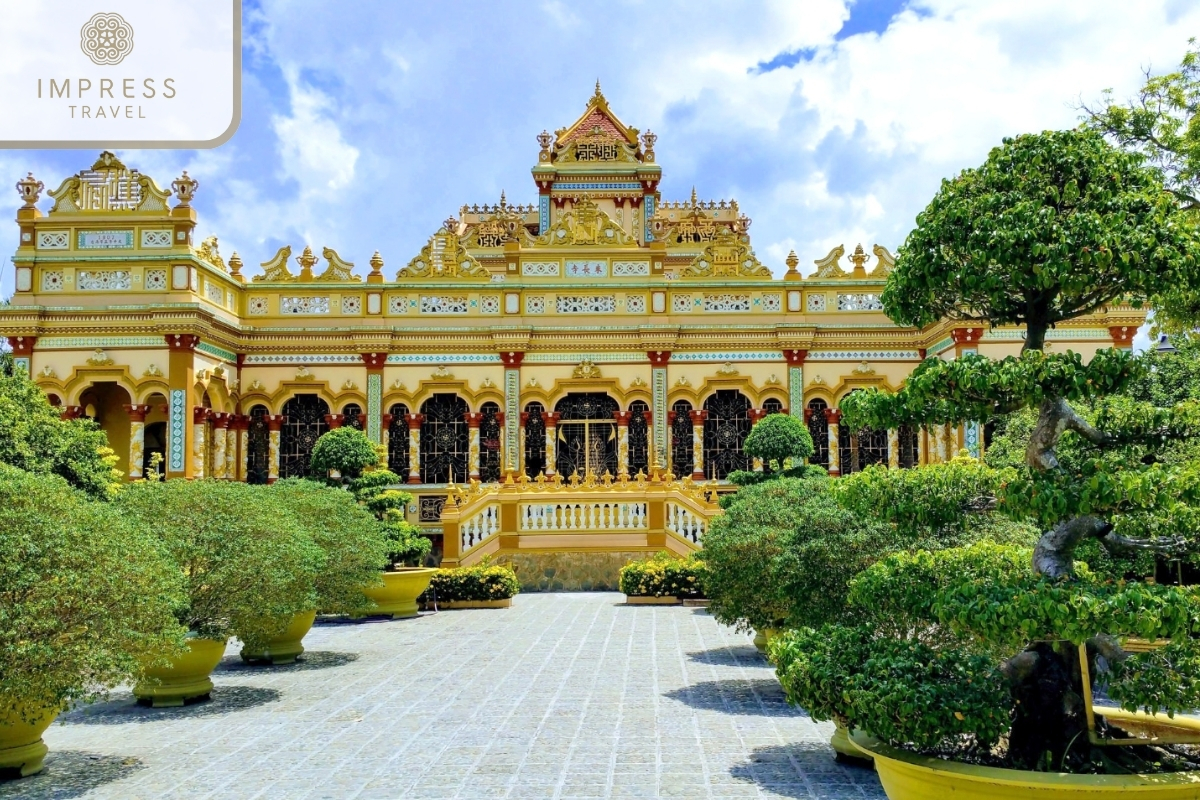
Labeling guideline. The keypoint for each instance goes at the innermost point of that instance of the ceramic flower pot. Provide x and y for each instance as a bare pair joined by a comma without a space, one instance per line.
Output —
906,776
284,648
762,638
21,745
400,590
186,678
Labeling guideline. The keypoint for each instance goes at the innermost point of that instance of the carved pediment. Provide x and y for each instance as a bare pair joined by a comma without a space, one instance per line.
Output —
885,262
108,186
209,251
585,224
444,257
729,255
596,137
276,269
505,224
338,270
827,267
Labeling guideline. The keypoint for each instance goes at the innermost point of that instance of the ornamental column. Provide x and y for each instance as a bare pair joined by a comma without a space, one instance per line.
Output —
199,422
833,418
375,427
414,446
755,415
385,436
654,463
70,412
22,350
795,360
181,378
274,425
473,419
698,418
1122,336
238,448
334,421
137,439
622,418
220,439
551,418
922,455
893,448
513,439
659,438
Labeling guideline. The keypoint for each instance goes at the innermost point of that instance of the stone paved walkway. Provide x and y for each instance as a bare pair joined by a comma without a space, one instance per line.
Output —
561,696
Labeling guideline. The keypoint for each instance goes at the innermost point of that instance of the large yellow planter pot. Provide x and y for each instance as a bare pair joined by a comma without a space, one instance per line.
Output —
185,679
844,747
284,648
763,638
400,590
906,776
21,745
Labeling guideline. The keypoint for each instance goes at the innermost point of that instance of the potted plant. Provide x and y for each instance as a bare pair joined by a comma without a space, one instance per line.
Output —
86,598
482,585
663,580
974,669
782,442
247,567
354,549
403,581
342,453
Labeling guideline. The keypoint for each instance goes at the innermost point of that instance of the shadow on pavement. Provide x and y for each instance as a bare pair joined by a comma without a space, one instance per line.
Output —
763,698
797,770
745,655
123,710
69,773
318,659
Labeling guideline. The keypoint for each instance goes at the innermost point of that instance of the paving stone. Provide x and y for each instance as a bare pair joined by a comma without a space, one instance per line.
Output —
561,697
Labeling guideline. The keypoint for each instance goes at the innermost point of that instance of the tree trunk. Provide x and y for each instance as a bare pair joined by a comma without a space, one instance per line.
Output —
1050,720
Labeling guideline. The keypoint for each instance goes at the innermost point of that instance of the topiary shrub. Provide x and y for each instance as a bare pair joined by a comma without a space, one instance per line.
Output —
86,595
665,575
779,439
355,544
248,565
406,545
483,581
345,450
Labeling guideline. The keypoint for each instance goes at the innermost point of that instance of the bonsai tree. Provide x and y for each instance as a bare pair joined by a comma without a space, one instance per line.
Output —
85,596
406,545
983,643
34,438
778,439
247,564
354,544
346,451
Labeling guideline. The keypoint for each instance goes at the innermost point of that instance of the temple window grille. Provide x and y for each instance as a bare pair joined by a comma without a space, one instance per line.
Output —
682,457
304,423
398,441
860,449
725,433
587,435
639,438
352,416
535,440
818,428
431,508
445,439
908,446
772,405
489,443
155,441
258,446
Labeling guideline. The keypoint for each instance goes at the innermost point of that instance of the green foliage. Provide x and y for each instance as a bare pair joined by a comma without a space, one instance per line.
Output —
1167,679
901,690
1052,226
778,439
370,483
248,564
85,594
35,439
354,543
406,545
483,581
743,477
347,450
664,575
1169,377
387,503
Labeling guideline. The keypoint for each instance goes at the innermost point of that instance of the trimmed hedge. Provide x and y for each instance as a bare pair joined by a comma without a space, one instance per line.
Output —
480,582
664,576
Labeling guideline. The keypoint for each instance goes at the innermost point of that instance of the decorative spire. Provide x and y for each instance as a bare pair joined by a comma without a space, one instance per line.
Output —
503,202
30,190
544,139
185,189
693,197
598,92
792,262
307,261
376,274
858,258
235,267
648,140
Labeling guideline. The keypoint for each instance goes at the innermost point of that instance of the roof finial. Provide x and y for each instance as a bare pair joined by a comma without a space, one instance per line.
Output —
598,94
693,197
502,199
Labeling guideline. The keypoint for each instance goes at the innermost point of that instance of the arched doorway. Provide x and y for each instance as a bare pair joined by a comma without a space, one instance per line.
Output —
682,452
104,403
352,416
535,440
818,428
907,436
725,432
639,438
304,423
258,446
862,448
398,440
154,436
445,439
489,443
587,435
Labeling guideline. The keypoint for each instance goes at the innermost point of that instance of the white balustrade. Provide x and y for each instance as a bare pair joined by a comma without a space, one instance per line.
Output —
583,516
684,522
480,526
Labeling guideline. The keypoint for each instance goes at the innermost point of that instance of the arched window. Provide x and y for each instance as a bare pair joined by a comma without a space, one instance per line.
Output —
398,440
773,405
682,456
861,448
639,438
352,416
908,446
445,439
258,446
818,428
535,440
587,435
304,423
725,432
489,443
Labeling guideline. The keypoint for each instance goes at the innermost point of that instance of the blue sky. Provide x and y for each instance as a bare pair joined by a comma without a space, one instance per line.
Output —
366,123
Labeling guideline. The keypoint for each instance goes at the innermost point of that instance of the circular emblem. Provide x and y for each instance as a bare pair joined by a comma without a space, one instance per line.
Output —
106,39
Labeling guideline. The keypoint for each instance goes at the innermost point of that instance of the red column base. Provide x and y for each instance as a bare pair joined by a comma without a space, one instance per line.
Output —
697,476
271,480
413,480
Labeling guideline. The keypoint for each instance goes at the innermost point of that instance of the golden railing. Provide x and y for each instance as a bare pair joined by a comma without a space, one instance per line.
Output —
627,514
